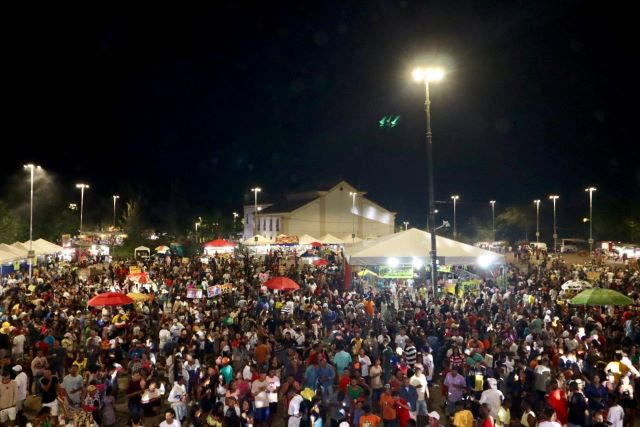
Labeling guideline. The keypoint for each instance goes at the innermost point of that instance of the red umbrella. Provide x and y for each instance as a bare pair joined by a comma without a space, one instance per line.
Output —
315,244
320,262
219,243
282,284
109,298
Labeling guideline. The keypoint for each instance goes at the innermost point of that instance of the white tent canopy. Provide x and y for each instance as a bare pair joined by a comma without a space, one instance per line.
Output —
347,239
42,247
257,241
329,239
142,249
6,257
413,245
305,239
18,253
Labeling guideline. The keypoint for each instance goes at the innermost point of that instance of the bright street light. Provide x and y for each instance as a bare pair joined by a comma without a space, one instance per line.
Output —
406,225
426,75
82,187
590,190
553,197
31,168
429,74
115,197
235,216
493,218
256,225
455,198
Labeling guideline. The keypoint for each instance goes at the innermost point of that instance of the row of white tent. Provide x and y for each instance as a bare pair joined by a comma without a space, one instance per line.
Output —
412,247
327,239
20,250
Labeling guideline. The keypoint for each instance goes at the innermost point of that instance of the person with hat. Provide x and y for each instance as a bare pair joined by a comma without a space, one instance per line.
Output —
434,419
492,397
420,383
22,382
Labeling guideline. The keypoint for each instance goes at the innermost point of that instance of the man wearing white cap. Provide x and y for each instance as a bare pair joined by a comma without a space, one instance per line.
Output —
492,397
434,419
22,382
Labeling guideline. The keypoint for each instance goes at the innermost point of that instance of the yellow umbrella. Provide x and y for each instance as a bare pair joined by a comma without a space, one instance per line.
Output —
140,297
365,272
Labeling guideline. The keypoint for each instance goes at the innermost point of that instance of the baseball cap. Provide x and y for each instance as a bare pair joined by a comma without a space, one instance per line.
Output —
434,415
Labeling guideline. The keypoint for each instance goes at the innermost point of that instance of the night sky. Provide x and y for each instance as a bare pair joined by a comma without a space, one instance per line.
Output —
192,107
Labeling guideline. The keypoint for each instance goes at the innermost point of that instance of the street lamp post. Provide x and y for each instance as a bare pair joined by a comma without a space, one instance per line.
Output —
82,187
590,190
555,231
426,75
493,219
31,168
255,190
197,224
235,216
406,225
537,203
115,198
455,198
353,195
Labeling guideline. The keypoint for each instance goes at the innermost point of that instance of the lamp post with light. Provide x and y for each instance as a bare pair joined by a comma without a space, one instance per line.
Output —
115,198
31,168
455,198
406,225
493,219
82,187
537,203
255,191
590,190
235,216
427,75
553,197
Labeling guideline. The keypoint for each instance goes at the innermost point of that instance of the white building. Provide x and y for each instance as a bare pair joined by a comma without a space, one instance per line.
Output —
318,213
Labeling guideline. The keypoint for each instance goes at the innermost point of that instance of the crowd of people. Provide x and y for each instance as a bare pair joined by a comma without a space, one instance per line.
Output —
388,353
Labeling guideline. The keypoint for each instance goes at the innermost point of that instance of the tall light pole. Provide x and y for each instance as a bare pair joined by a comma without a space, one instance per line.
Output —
235,216
455,198
537,203
406,225
493,218
353,195
115,198
197,224
590,190
31,168
82,187
427,75
255,190
553,197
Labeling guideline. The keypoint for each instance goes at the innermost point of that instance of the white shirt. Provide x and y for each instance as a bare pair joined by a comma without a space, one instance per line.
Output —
164,336
420,383
294,411
176,393
18,344
616,416
21,382
493,398
174,423
365,362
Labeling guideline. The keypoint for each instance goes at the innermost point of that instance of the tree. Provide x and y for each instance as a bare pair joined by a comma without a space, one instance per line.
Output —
10,225
513,223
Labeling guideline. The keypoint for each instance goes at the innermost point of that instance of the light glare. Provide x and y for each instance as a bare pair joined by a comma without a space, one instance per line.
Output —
393,262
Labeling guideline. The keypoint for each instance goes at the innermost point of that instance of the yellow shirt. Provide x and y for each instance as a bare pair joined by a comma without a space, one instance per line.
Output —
463,418
504,417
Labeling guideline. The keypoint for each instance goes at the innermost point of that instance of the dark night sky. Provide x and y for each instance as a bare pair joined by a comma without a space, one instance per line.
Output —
194,107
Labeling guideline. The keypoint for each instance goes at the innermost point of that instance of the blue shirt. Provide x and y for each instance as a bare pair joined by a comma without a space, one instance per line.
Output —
342,359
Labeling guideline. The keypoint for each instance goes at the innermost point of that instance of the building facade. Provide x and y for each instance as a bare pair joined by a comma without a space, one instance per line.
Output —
316,213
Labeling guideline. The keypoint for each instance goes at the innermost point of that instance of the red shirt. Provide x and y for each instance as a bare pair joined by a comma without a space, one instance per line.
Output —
558,401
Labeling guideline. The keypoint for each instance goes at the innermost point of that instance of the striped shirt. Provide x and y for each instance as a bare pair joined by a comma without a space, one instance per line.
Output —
410,354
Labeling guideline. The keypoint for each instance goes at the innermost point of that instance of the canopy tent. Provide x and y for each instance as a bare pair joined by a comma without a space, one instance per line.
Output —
348,239
160,249
257,241
18,253
142,250
42,247
6,257
329,239
413,246
305,239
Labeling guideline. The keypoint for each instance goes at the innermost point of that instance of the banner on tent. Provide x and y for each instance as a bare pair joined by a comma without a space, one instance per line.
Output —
387,272
214,291
194,293
134,270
